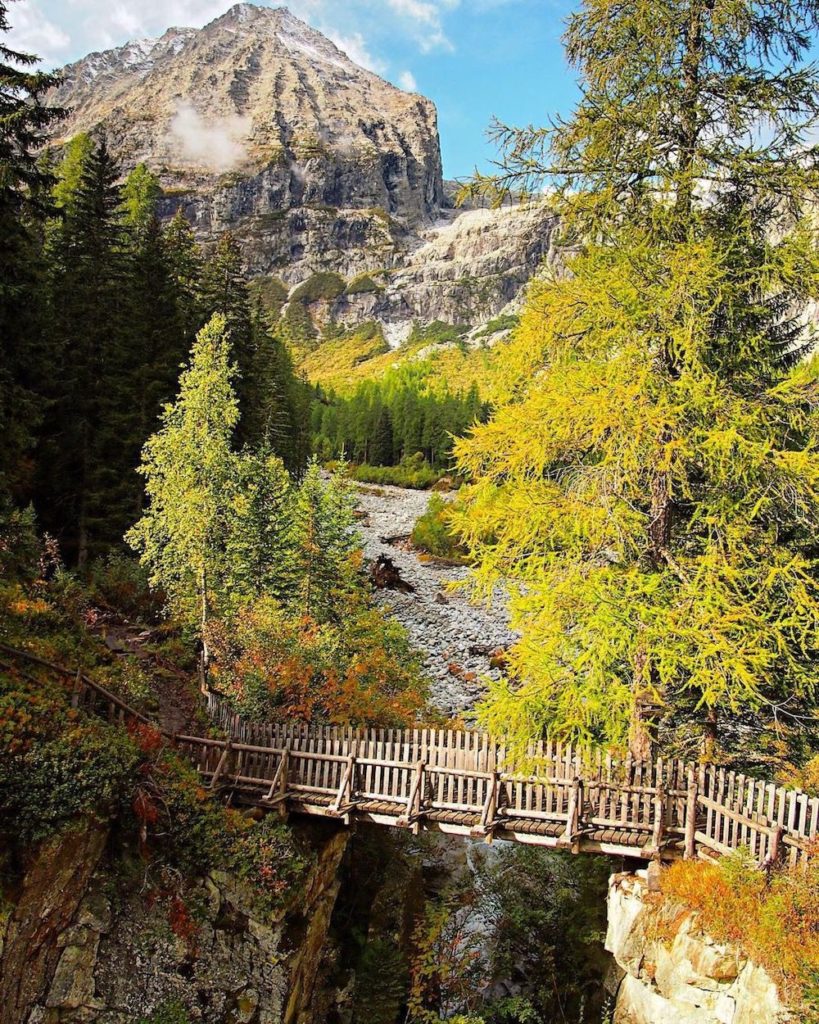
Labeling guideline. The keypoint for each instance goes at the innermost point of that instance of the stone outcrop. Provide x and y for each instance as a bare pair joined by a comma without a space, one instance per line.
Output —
45,912
671,972
102,951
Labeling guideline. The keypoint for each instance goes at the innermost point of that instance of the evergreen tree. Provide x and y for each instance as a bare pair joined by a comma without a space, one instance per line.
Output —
140,194
273,410
650,488
87,491
160,302
224,291
324,519
24,125
190,473
185,263
260,546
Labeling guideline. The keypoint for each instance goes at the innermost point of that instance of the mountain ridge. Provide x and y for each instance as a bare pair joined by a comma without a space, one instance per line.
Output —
259,124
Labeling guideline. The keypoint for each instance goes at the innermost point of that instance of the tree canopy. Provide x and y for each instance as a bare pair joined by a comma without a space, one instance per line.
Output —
649,486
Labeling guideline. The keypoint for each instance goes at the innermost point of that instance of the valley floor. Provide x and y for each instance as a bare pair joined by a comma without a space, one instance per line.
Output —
457,638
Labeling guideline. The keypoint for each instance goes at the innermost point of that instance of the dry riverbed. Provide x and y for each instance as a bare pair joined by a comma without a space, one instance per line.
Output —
458,639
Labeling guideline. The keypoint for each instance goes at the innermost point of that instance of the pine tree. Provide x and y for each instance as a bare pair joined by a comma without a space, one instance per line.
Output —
185,262
87,491
24,124
650,487
324,518
260,544
190,473
224,290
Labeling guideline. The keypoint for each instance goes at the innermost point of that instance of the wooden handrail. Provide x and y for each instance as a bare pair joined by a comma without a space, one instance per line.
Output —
456,781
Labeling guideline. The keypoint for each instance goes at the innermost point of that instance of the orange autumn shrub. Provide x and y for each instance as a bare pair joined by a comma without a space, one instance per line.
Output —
359,670
773,918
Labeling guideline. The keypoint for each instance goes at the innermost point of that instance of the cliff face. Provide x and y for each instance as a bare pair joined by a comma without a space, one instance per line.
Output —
671,972
96,948
260,125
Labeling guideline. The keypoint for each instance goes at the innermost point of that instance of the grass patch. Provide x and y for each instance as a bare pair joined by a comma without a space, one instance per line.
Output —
432,532
773,919
325,285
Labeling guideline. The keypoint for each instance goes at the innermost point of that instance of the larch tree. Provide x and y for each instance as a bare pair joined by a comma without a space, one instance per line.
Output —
649,487
190,475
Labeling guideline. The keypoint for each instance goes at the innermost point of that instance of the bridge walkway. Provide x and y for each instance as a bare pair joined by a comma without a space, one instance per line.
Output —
461,782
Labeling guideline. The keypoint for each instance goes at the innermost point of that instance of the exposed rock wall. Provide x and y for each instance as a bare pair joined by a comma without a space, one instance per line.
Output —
45,913
86,945
671,972
260,125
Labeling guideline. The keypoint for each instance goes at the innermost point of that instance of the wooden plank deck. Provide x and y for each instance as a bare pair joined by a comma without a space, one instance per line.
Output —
456,781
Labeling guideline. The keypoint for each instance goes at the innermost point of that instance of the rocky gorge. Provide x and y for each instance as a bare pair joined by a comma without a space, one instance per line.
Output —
669,971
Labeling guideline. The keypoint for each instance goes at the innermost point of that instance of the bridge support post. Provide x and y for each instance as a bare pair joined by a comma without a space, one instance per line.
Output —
488,819
569,837
412,815
77,690
774,848
345,791
223,764
659,819
691,816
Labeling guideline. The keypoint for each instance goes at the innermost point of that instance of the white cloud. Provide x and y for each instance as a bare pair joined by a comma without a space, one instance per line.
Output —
65,30
407,81
215,144
355,46
32,32
425,17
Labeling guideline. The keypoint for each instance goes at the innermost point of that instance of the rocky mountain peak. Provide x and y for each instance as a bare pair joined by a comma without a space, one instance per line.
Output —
259,124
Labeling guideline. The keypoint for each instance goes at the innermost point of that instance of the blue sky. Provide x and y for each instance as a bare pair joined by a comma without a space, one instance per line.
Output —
474,58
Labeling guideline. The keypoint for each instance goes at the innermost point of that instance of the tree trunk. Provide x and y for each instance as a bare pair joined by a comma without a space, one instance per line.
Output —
203,626
710,734
643,726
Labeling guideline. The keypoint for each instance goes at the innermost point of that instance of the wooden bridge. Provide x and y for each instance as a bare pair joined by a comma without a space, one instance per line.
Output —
457,782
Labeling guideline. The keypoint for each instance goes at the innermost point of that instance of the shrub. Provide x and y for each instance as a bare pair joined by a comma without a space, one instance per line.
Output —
19,544
171,1012
324,285
357,670
362,284
121,583
56,763
420,477
297,323
432,534
504,322
438,333
268,856
774,919
272,291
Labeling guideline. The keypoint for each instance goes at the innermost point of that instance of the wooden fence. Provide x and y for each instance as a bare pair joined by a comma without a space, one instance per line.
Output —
458,782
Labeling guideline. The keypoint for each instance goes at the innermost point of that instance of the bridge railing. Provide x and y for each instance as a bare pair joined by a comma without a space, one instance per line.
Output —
459,779
678,806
